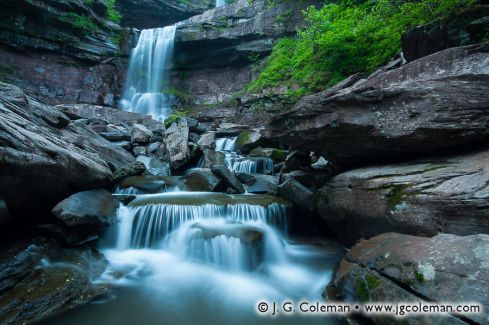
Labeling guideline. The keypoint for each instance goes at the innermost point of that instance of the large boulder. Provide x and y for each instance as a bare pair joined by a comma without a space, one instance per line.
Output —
398,268
175,142
433,104
33,291
420,198
88,208
201,180
140,134
464,28
44,158
228,177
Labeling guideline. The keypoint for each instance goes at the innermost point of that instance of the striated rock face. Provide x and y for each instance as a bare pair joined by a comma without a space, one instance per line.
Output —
465,28
175,143
398,268
147,14
423,198
433,104
45,158
61,51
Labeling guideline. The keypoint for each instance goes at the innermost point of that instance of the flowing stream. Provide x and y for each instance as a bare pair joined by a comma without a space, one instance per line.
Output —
147,85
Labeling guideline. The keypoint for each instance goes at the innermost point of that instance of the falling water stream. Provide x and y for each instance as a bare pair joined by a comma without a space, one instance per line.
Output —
196,257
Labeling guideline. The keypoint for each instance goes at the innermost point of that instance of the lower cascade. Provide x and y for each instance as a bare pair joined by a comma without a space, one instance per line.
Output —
181,257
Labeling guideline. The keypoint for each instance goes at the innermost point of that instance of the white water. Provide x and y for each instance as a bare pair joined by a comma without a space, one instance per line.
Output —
147,89
238,163
220,3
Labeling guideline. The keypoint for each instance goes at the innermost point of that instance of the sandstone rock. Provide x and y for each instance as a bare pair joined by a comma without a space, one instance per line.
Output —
412,110
134,169
89,208
140,134
201,180
37,291
155,166
302,197
464,28
207,141
46,164
394,267
176,143
420,198
229,179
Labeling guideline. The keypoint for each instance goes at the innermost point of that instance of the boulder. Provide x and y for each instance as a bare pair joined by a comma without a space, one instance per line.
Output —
140,134
412,110
175,143
398,268
275,154
139,151
44,163
248,140
116,135
309,178
302,197
89,208
150,184
155,166
296,160
71,236
207,141
201,180
420,198
229,179
134,169
45,280
263,184
463,28
213,158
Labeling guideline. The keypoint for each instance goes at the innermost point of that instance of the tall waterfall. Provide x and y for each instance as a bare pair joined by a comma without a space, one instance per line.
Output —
147,85
220,3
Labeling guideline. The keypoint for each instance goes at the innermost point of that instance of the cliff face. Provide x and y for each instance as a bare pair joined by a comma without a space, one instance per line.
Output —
61,50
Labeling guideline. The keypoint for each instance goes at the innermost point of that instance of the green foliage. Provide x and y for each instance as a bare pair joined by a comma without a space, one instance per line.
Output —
112,13
346,37
419,276
174,117
284,17
88,2
372,281
85,25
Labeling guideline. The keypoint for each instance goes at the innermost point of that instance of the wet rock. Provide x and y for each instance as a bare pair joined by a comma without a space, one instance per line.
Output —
248,140
397,268
420,198
152,147
321,164
263,184
139,151
155,166
207,141
71,236
275,154
176,143
140,134
296,160
295,192
150,184
229,179
245,178
43,163
401,113
309,178
134,169
123,144
201,180
89,208
42,291
116,135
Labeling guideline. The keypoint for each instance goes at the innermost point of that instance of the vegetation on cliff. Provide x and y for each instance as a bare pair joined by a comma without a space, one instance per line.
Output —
343,38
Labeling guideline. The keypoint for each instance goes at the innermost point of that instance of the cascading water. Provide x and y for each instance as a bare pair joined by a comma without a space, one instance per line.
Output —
147,85
220,3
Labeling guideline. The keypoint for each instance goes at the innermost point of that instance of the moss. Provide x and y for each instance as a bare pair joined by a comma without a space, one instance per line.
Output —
112,13
396,196
419,276
174,117
279,155
362,291
372,281
243,138
83,24
284,17
7,71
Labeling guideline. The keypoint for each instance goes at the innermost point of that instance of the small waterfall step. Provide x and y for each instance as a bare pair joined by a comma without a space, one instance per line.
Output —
148,184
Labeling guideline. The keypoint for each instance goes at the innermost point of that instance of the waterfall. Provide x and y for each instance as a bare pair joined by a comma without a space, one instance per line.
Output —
220,3
147,85
225,144
238,163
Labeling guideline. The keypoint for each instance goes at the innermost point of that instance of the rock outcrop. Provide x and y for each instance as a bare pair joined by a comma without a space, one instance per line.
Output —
398,268
61,51
422,198
158,13
44,280
463,28
433,104
45,158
